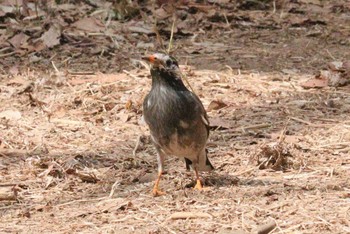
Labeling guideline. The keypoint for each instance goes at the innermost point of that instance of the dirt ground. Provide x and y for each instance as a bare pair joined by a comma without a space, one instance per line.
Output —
75,155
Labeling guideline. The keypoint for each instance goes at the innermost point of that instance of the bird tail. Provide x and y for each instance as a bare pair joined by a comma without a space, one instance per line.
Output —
203,165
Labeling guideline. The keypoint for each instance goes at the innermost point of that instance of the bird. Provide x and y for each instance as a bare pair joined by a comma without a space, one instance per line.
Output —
176,117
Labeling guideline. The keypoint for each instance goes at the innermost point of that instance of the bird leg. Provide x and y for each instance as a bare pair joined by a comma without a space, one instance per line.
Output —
160,159
155,190
198,185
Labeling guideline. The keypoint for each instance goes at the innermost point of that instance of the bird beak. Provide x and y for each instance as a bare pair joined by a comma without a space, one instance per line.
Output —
149,58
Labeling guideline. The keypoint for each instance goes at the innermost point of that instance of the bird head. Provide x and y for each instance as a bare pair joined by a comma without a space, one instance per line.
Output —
162,61
165,71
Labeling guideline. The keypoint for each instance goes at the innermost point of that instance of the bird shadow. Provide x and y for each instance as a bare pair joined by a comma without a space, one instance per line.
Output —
216,180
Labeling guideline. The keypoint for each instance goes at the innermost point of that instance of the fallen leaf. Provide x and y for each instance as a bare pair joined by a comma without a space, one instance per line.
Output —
335,66
161,14
18,40
51,38
128,105
216,105
90,24
315,83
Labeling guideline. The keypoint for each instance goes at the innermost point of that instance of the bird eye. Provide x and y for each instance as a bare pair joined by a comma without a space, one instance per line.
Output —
168,62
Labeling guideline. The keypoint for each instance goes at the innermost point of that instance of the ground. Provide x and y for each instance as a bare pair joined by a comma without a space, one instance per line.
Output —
77,157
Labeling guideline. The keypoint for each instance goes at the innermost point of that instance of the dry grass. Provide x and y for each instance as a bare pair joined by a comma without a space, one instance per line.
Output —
68,158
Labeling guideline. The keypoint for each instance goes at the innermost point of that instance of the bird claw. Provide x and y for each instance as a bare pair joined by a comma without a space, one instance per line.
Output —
198,186
157,193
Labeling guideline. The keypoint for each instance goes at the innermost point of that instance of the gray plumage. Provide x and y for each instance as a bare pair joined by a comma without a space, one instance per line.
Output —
176,117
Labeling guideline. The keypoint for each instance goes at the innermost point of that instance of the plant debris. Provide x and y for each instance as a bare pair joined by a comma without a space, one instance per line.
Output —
76,155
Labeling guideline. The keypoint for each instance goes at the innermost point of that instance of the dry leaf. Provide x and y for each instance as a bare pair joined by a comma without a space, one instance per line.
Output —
216,105
315,83
161,14
18,40
335,65
128,105
90,24
51,38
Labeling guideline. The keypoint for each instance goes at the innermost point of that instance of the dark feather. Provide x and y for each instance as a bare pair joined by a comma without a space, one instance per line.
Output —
171,110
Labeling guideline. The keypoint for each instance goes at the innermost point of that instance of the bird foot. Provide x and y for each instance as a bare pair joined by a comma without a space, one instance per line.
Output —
157,193
198,186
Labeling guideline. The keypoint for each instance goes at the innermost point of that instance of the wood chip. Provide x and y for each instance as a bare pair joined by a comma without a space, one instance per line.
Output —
11,114
7,194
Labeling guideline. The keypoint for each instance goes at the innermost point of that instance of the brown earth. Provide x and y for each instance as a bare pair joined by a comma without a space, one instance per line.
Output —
75,155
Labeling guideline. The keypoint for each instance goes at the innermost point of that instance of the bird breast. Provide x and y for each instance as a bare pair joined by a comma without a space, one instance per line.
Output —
175,121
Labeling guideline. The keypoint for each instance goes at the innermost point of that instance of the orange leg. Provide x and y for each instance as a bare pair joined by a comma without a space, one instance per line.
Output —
198,185
155,190
160,159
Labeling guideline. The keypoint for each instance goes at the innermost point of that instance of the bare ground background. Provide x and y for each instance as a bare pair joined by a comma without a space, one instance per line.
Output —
76,157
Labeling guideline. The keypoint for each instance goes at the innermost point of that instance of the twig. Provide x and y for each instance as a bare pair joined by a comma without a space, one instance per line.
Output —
245,171
81,200
172,34
283,133
130,74
257,126
227,22
190,215
80,73
8,54
14,153
54,66
345,144
187,82
274,7
137,145
155,29
329,53
114,186
301,121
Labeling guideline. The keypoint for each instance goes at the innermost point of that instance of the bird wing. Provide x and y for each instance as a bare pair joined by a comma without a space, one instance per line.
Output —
204,116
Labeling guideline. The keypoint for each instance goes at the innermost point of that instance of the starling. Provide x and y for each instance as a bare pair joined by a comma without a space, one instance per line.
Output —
176,118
